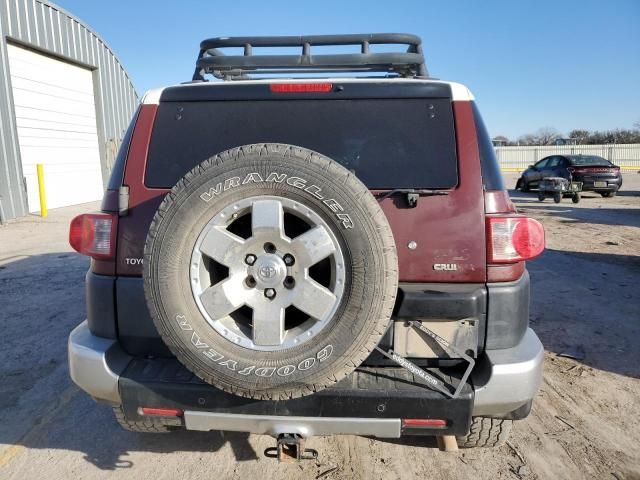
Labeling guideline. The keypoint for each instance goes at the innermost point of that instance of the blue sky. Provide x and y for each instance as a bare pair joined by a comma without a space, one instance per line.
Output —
530,64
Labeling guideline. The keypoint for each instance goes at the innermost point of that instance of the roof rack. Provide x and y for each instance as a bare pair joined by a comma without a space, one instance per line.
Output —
212,60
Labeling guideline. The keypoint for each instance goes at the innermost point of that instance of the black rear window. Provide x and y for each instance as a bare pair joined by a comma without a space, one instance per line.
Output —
388,143
588,160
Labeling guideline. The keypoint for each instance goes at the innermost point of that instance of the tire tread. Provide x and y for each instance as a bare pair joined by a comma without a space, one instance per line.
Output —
486,432
147,426
388,251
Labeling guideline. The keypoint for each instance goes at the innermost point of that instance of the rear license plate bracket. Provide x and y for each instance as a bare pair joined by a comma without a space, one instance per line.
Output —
434,381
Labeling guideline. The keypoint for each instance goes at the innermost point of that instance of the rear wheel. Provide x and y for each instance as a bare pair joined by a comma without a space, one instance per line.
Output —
575,198
541,196
486,432
557,197
524,186
608,194
155,425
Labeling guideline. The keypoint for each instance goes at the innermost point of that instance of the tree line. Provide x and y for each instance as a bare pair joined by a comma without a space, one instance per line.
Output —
551,136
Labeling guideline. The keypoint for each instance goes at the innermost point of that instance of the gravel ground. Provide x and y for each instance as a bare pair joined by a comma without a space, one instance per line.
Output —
585,421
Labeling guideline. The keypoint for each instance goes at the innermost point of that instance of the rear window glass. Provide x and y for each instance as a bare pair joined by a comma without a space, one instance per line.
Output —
387,143
117,173
491,175
580,160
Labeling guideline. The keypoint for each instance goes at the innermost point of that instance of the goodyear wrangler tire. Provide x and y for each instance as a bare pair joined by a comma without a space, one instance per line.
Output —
270,271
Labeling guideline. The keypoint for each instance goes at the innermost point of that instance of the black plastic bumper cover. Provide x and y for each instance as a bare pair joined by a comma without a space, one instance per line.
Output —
366,393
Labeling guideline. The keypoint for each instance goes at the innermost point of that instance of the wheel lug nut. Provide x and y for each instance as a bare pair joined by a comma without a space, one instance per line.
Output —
270,293
250,259
289,260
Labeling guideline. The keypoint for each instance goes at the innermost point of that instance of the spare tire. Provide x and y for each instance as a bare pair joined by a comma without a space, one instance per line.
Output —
270,271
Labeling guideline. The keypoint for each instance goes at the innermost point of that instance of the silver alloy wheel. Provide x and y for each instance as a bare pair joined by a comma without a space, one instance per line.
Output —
267,272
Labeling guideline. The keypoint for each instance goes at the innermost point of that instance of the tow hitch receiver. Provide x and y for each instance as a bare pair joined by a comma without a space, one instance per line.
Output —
290,448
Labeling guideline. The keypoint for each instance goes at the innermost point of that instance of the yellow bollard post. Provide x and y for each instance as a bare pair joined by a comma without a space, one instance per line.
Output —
43,198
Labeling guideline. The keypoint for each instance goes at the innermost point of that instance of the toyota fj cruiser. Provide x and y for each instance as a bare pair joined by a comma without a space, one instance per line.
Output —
309,256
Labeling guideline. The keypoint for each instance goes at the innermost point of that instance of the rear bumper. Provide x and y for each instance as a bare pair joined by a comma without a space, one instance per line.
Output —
365,403
611,184
303,426
505,380
96,363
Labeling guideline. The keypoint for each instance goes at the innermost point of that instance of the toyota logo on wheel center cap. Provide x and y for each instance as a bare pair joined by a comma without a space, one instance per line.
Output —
267,271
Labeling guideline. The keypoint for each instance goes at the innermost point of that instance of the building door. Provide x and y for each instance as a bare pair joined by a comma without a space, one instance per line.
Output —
56,119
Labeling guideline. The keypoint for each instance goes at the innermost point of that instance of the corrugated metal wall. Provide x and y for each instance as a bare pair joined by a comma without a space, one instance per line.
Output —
517,158
47,28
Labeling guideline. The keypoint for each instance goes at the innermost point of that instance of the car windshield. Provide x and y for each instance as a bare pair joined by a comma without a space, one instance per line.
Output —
580,160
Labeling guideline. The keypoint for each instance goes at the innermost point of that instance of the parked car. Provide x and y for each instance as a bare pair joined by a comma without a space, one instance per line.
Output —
595,173
265,258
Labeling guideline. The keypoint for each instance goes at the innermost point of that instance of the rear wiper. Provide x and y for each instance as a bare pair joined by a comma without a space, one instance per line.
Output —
412,194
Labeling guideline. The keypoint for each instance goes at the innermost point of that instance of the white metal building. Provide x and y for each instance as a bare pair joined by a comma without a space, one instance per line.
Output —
65,102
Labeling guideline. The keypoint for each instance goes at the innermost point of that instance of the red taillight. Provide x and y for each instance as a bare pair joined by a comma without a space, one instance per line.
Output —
162,412
424,422
513,239
583,169
93,234
301,87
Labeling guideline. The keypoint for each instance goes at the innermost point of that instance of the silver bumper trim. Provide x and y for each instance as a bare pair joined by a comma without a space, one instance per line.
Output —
304,426
95,364
508,379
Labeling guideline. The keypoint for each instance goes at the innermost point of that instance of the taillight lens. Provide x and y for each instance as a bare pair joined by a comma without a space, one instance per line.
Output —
93,234
513,239
301,87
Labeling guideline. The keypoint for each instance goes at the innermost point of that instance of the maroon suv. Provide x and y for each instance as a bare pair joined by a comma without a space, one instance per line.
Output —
309,256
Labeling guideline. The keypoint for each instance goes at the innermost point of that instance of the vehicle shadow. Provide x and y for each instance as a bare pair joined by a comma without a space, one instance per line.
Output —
114,448
583,304
586,306
42,298
422,441
597,212
628,193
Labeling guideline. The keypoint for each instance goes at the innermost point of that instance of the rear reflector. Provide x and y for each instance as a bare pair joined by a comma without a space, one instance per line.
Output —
424,422
301,87
162,412
513,239
93,234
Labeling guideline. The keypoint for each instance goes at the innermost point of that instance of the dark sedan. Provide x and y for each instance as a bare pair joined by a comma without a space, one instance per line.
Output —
596,173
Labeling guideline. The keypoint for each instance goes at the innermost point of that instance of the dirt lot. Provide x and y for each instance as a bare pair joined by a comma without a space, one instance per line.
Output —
585,422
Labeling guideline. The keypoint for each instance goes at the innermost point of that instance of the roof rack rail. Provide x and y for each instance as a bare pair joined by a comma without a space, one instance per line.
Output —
212,60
